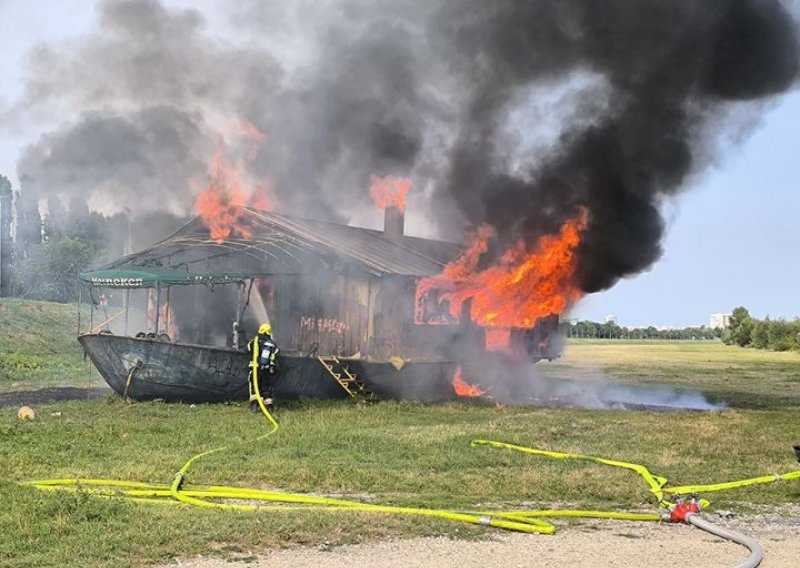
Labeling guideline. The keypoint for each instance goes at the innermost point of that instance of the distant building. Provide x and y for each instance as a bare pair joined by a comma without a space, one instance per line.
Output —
722,321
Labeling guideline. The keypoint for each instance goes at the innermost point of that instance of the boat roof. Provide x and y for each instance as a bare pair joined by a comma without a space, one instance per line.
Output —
154,277
274,243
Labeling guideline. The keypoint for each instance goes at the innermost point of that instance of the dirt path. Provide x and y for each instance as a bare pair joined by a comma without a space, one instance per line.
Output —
607,544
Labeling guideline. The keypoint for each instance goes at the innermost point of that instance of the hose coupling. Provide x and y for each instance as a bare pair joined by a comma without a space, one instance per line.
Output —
485,521
682,508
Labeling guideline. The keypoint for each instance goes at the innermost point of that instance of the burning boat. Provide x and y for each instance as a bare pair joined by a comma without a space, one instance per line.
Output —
356,312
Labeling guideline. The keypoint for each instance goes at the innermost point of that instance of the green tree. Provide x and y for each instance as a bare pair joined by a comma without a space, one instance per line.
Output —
56,220
585,329
610,330
50,271
81,222
759,336
740,328
6,244
29,226
781,335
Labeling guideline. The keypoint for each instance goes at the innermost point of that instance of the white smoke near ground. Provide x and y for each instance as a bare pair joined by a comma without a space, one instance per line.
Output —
517,383
602,393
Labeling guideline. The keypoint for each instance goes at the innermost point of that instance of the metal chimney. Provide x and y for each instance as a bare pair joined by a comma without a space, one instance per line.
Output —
393,222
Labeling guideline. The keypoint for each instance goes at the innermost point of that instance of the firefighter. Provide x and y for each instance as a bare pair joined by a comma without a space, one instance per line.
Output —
265,363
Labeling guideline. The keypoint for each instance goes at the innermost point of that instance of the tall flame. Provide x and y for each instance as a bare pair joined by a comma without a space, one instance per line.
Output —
521,288
389,191
221,204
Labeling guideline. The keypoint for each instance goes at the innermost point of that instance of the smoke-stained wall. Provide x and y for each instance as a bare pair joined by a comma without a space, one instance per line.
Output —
514,113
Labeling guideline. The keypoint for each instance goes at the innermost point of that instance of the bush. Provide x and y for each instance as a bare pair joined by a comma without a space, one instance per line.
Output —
759,336
782,335
50,271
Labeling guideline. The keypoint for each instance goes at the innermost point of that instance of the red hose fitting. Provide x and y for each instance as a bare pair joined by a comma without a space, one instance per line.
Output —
683,508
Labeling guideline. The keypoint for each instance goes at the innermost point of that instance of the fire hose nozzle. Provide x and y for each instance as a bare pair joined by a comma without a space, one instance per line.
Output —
796,449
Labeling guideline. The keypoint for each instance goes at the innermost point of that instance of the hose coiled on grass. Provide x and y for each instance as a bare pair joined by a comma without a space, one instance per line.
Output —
180,476
245,499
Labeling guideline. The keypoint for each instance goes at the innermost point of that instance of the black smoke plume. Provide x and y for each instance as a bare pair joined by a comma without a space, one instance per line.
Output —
666,70
515,113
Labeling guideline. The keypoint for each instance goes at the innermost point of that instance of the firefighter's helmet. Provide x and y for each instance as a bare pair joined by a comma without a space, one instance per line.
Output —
265,329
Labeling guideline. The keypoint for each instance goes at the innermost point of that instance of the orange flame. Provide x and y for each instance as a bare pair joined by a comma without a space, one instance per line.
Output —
498,339
389,191
521,288
465,389
222,203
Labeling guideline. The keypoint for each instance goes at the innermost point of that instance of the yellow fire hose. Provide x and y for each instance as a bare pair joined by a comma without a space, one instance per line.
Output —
523,521
175,491
656,485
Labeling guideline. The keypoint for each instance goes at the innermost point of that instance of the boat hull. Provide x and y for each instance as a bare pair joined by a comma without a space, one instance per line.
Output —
149,369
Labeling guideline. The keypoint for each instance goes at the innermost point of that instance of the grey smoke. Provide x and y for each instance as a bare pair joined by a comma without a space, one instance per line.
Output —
526,384
632,96
146,96
115,161
604,394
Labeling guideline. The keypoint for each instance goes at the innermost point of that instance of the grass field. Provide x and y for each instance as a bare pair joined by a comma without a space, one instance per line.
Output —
742,378
395,453
38,347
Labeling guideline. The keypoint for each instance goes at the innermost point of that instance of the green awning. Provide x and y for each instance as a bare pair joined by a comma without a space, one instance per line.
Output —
155,277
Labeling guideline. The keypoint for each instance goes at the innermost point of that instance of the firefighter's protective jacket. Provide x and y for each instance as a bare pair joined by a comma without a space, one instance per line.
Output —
267,351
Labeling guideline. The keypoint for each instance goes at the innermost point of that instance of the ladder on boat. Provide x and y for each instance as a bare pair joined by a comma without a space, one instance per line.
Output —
341,372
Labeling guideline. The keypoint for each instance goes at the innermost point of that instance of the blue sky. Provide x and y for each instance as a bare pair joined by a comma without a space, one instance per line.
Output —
733,236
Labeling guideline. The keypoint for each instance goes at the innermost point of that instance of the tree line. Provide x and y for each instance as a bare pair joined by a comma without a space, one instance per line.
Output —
50,251
772,334
744,330
610,330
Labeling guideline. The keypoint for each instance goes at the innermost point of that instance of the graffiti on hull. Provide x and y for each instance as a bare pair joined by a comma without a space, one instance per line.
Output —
159,363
